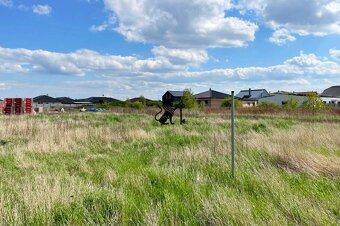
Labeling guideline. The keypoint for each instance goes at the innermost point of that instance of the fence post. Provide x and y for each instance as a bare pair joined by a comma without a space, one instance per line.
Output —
232,135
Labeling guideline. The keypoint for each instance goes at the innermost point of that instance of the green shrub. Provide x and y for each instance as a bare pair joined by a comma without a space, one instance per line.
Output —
137,104
227,102
267,105
202,105
188,100
259,127
291,103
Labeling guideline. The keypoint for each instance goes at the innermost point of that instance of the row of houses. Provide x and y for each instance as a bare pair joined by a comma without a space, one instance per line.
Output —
253,97
211,98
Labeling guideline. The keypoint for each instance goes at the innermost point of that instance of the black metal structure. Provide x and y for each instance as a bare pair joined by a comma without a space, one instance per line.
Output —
171,101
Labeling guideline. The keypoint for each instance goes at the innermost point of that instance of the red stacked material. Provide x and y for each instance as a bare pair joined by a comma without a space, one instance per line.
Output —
18,108
28,105
1,106
8,106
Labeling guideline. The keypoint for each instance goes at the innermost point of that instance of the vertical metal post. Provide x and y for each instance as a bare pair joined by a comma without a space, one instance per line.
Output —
180,116
232,135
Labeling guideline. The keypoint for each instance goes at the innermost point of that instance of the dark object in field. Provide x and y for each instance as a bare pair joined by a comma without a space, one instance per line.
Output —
168,113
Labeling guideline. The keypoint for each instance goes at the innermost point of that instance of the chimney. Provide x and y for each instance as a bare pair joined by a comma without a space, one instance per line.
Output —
249,91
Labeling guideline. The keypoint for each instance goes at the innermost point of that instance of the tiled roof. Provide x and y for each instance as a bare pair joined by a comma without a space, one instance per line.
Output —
212,94
333,91
255,94
176,93
45,99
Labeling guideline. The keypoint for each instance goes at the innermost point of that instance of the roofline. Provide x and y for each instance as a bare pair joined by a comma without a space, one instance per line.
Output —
246,90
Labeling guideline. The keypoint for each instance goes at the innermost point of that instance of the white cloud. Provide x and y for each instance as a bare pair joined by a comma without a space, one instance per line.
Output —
6,3
181,24
42,9
3,86
130,75
104,26
190,57
98,28
302,17
79,63
127,76
281,36
335,54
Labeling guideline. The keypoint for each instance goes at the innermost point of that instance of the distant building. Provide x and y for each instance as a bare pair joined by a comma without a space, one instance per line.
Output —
46,102
96,100
280,98
250,97
171,97
211,98
331,96
67,102
138,99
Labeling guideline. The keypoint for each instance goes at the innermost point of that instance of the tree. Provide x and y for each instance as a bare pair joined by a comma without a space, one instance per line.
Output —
227,102
142,100
202,105
314,102
291,103
188,100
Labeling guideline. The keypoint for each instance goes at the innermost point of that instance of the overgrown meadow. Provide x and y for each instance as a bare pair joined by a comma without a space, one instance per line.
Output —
126,169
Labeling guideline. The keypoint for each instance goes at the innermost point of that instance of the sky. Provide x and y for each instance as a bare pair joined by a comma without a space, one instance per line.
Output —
128,48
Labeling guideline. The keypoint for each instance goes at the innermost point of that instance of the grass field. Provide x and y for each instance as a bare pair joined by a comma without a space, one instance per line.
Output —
114,169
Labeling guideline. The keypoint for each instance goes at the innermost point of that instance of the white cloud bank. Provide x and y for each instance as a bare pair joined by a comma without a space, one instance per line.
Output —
178,24
166,63
292,17
42,9
335,54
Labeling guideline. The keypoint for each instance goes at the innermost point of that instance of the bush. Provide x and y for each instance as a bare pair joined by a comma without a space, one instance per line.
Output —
267,105
314,102
106,105
188,100
137,104
227,102
202,105
291,103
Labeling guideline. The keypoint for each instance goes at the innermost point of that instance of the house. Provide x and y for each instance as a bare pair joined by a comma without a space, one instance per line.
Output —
281,97
250,97
96,100
211,98
46,102
138,99
171,97
67,102
331,96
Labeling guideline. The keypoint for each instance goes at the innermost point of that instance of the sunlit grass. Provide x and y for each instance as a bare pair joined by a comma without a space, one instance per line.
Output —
113,168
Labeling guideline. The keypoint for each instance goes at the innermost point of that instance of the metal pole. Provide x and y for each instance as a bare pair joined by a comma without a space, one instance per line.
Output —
180,116
232,135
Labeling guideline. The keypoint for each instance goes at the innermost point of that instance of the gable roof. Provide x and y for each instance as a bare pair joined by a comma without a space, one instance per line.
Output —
97,100
176,93
212,94
137,99
45,99
255,94
333,91
65,100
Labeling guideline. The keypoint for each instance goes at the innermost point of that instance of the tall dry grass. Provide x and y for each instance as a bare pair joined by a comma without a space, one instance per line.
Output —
115,168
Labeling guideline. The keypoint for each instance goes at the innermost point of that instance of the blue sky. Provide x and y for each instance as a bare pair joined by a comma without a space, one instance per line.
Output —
127,48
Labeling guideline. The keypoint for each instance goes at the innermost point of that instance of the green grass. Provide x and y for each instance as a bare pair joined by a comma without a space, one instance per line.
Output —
126,169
